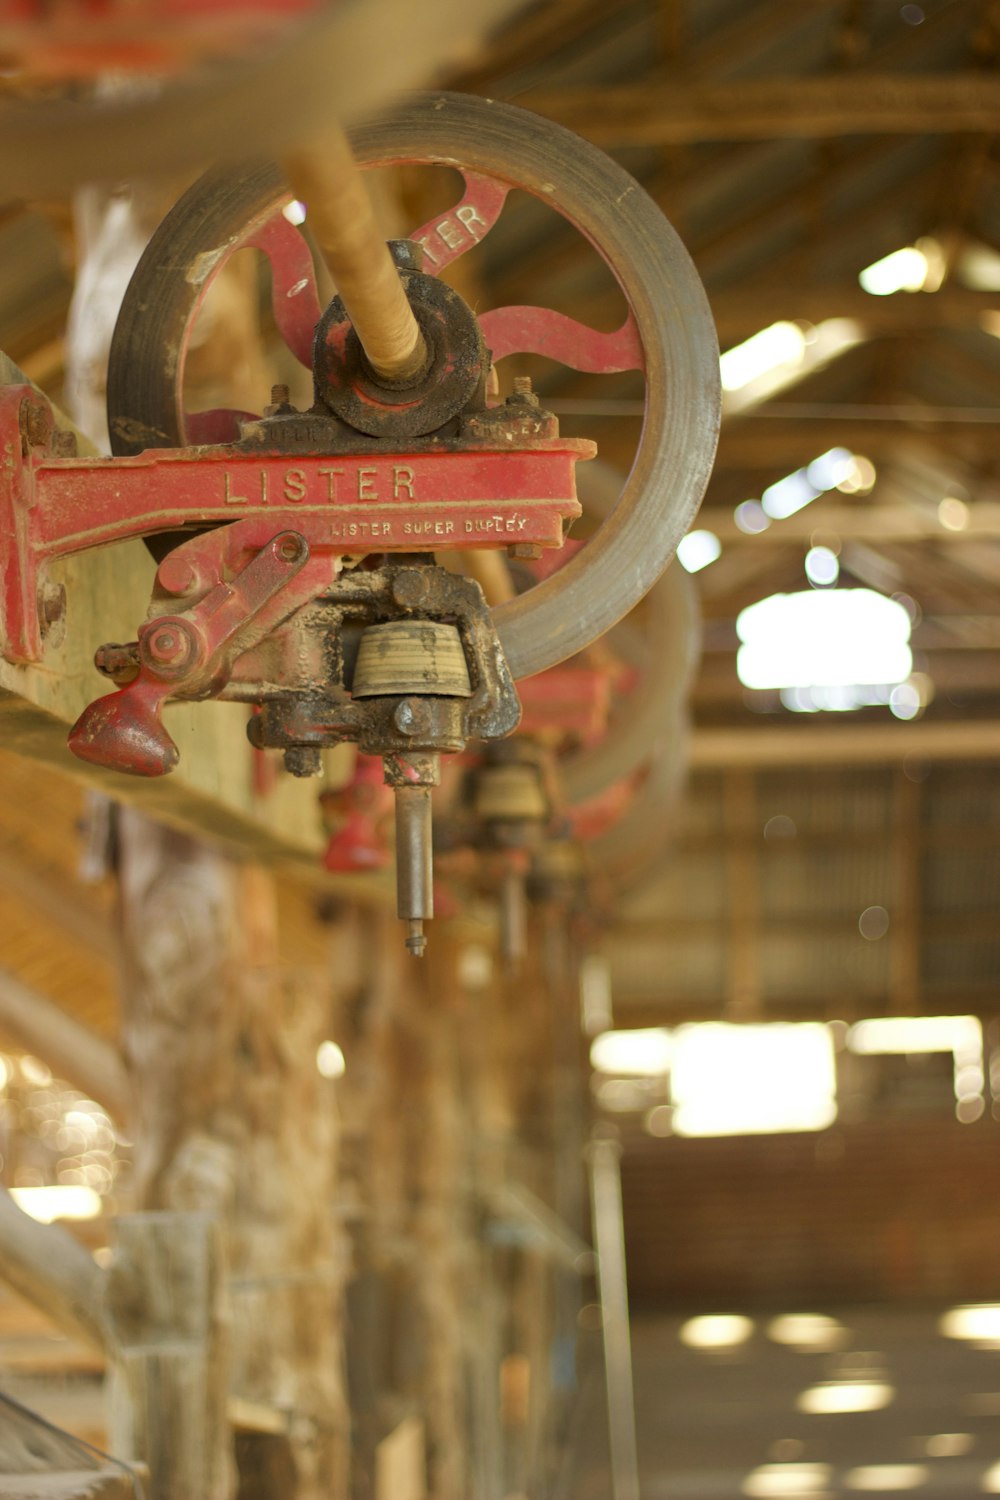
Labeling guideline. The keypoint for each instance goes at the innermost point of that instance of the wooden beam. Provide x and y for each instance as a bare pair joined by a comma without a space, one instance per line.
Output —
816,106
648,1008
71,1050
739,313
45,1264
56,900
878,523
862,744
788,441
743,979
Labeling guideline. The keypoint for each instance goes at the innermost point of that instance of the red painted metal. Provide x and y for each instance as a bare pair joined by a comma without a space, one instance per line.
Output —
478,496
447,236
444,239
294,297
359,816
89,38
570,699
194,649
539,330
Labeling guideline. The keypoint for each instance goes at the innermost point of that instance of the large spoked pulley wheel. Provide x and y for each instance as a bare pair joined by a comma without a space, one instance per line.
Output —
668,334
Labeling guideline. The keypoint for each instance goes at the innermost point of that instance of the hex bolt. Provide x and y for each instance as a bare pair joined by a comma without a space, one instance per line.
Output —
523,395
165,646
524,551
304,760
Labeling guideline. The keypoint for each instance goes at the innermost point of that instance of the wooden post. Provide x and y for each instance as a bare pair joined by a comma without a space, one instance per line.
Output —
170,1375
233,1118
904,932
743,998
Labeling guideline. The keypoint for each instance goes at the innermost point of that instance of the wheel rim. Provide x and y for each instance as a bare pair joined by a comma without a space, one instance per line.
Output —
226,211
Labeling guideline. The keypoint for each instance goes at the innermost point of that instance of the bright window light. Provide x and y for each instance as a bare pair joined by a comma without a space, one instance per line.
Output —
991,1480
840,638
716,1331
886,1477
812,1333
831,468
953,513
948,1444
751,517
65,1201
818,699
795,491
974,1325
860,477
752,1080
962,1035
788,495
643,1053
822,567
787,1481
835,1396
330,1060
696,550
904,270
979,268
780,344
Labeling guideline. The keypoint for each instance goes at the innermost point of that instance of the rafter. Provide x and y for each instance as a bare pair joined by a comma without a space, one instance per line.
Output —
819,106
875,523
740,311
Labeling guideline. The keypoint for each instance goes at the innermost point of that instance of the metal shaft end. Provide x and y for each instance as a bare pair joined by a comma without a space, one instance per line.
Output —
415,939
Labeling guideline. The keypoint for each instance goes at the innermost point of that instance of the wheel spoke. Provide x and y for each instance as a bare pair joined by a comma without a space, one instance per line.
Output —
447,236
539,330
294,297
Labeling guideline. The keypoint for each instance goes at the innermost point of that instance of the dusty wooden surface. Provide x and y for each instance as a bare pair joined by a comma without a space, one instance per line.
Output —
233,1119
170,1371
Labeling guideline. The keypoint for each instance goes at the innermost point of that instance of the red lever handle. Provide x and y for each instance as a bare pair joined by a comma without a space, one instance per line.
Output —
125,730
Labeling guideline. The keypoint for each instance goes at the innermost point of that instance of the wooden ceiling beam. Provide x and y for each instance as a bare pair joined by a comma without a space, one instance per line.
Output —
786,442
829,745
875,523
819,106
741,311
